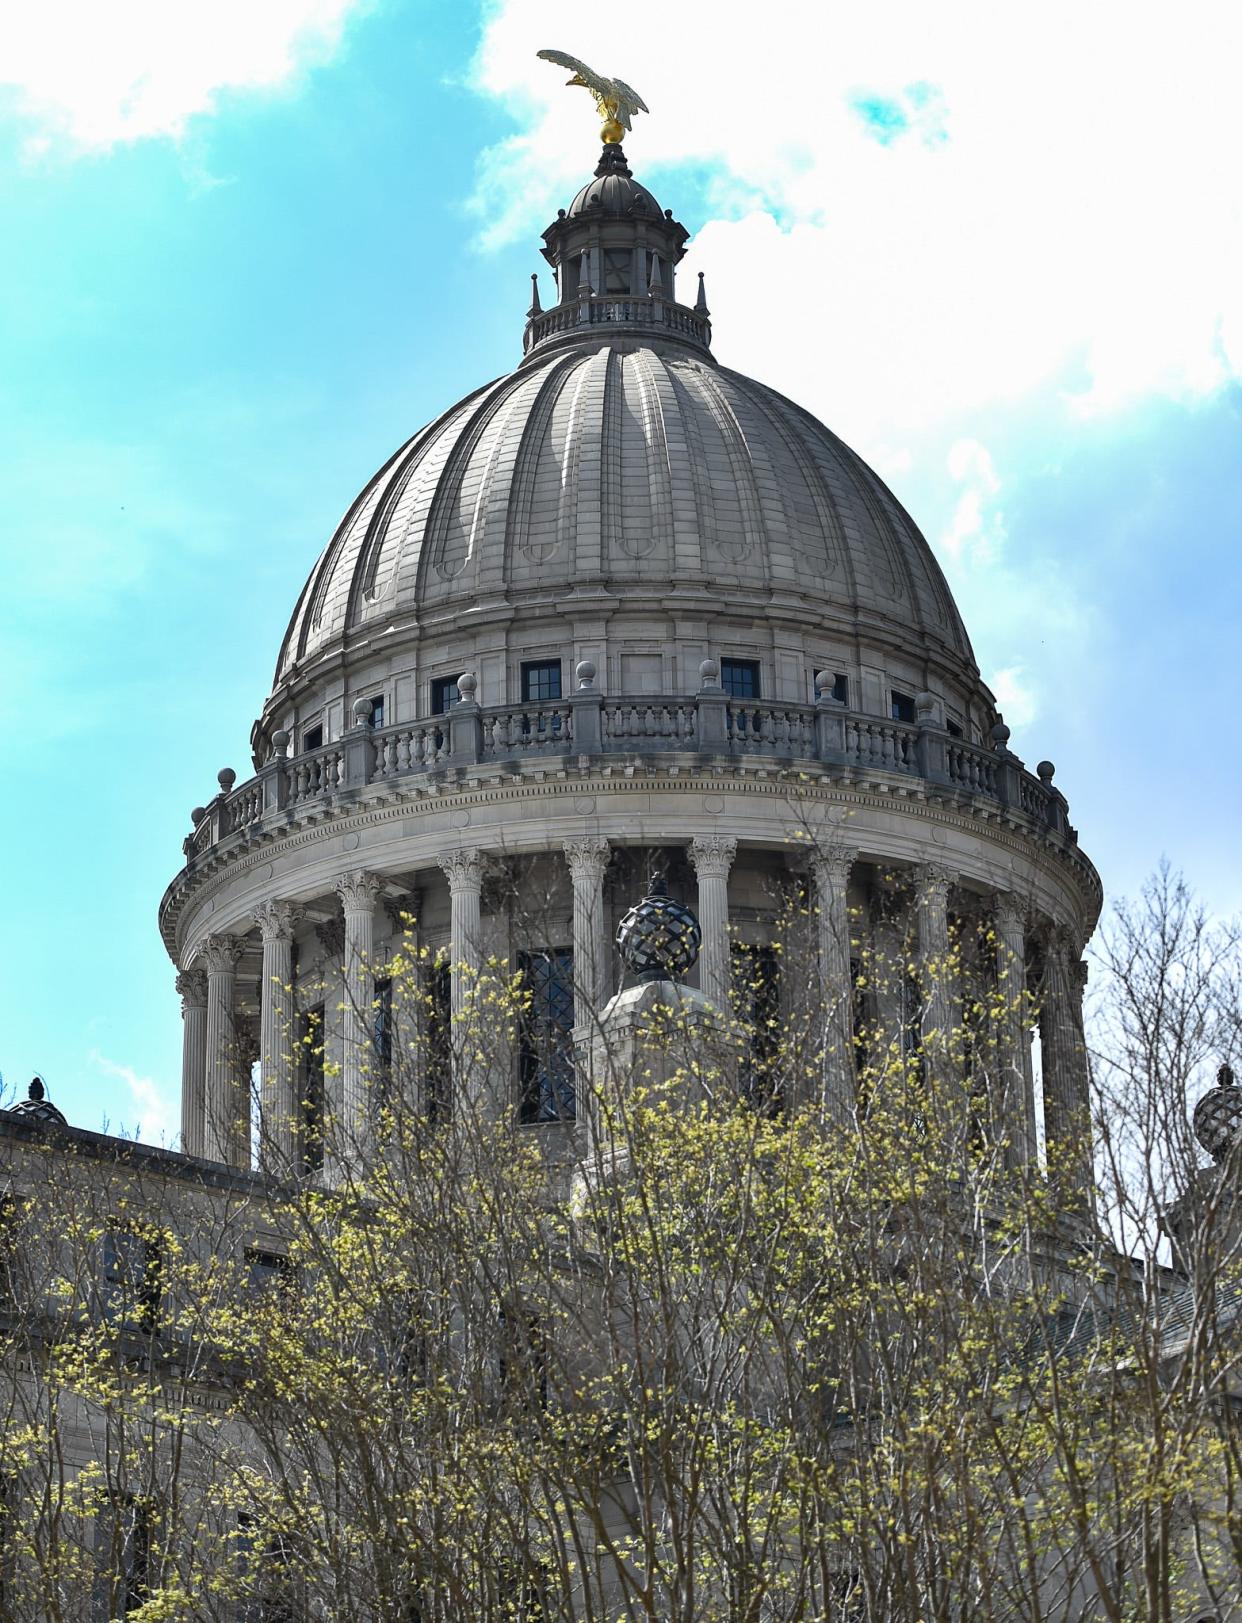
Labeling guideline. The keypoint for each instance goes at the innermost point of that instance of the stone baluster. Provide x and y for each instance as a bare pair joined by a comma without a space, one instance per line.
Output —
1067,1097
832,869
936,976
1014,1103
359,891
226,1115
192,984
587,860
712,855
279,1110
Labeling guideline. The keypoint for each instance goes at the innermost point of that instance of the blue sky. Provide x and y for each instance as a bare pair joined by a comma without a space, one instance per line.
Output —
245,260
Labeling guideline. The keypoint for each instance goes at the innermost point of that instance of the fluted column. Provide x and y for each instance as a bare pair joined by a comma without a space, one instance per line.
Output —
832,877
464,872
279,1111
712,855
1014,1103
227,1103
1067,1097
359,892
587,860
931,900
192,984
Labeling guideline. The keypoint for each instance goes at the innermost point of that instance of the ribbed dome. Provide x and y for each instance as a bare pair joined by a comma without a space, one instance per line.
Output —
614,192
627,464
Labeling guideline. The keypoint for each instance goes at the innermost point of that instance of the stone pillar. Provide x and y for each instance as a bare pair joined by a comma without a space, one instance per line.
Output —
279,1111
1067,1096
464,872
832,876
1013,1105
587,860
192,984
712,855
226,1114
931,901
359,892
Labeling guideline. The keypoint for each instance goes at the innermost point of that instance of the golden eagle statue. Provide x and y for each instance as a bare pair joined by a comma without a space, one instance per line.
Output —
614,98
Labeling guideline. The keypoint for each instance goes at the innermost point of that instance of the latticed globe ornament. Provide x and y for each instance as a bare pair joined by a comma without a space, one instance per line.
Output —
659,939
1218,1115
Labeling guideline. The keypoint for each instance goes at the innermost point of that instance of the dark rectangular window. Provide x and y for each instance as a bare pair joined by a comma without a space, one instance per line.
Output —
266,1270
437,1045
902,706
382,1035
523,1361
740,678
311,1105
377,710
545,1044
132,1284
617,266
953,728
841,687
312,737
444,694
757,1000
125,1553
541,681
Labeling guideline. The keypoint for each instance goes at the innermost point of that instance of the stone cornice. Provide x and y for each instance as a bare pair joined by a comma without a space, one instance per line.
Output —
384,803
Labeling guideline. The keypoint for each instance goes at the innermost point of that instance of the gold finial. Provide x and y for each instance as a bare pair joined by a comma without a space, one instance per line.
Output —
613,97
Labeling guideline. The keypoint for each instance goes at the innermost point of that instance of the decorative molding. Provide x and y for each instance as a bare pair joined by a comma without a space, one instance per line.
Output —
192,984
463,869
932,883
1011,915
832,866
276,921
587,858
712,855
359,890
220,953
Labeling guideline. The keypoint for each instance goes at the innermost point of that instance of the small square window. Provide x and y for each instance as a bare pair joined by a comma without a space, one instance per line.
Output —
903,706
740,678
444,694
953,728
312,737
266,1270
541,680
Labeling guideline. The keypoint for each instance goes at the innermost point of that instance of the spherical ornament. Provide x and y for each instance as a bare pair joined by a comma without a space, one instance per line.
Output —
1218,1115
659,939
226,778
611,132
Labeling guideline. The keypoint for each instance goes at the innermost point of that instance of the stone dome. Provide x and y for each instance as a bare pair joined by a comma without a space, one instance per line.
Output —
619,467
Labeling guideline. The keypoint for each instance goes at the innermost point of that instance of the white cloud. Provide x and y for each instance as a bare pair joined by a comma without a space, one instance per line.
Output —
1014,696
920,210
154,1115
977,529
100,72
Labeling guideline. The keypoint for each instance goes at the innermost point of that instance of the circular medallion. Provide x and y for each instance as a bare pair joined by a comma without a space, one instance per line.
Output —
265,872
461,819
350,842
584,805
940,836
713,804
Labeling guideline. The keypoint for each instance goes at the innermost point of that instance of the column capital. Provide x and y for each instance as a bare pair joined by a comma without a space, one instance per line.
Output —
932,882
220,954
358,889
587,858
1011,913
192,984
463,869
276,920
712,855
833,864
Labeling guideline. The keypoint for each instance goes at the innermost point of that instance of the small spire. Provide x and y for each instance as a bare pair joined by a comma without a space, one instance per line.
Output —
584,277
536,309
700,304
655,287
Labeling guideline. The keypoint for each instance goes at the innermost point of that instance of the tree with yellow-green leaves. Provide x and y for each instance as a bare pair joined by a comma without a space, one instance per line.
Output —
725,1358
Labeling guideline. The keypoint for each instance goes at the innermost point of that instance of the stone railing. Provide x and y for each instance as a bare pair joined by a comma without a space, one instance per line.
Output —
618,310
590,724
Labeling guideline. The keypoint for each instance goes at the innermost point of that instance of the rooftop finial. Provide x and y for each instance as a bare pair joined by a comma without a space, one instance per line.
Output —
536,309
700,304
616,102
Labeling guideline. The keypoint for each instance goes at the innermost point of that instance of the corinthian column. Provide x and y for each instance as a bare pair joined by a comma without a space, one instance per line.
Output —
359,892
464,872
587,860
832,877
931,900
1067,1097
227,1104
1015,1101
279,1102
712,855
192,984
